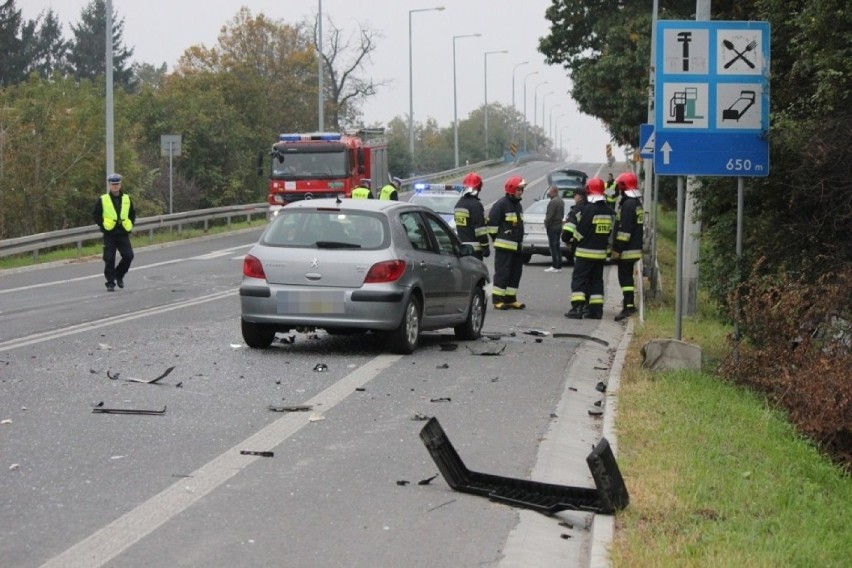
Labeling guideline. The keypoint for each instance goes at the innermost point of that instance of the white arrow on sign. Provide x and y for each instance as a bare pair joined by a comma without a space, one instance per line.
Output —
666,149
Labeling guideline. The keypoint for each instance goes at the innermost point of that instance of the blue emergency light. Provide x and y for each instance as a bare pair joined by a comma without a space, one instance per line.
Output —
320,136
421,187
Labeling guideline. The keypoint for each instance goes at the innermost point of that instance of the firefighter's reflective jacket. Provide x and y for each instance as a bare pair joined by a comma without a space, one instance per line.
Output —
594,225
506,224
470,222
629,228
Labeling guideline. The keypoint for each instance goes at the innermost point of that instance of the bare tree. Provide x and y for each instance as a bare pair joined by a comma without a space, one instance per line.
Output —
344,59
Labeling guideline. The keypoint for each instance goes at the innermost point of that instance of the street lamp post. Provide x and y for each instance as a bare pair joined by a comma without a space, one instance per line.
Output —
525,106
544,98
485,77
554,127
535,103
514,108
411,80
455,100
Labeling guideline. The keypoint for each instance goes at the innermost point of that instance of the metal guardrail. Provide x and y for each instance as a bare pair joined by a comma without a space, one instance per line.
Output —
80,235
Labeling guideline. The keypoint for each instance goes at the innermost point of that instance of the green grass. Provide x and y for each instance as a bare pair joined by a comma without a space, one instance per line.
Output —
716,476
94,248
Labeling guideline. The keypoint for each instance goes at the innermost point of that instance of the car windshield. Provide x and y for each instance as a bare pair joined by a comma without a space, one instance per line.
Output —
440,203
566,180
309,165
307,228
537,208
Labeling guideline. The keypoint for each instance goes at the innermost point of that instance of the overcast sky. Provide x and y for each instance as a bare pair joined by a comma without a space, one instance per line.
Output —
159,31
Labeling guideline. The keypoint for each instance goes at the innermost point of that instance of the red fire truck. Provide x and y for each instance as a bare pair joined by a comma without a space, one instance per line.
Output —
323,164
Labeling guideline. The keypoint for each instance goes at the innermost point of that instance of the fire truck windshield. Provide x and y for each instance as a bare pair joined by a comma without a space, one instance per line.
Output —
314,165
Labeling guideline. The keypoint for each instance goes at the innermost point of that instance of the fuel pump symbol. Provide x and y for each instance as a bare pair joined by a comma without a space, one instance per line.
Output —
682,106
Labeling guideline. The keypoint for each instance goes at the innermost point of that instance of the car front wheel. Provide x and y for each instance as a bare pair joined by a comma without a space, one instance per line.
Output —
472,327
404,338
257,335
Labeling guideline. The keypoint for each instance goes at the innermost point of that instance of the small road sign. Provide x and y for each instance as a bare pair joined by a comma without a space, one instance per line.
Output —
646,140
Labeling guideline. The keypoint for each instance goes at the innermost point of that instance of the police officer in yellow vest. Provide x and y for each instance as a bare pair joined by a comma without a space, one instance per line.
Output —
362,191
114,215
390,191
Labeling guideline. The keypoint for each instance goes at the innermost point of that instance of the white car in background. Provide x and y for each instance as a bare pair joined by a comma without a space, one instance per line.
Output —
535,235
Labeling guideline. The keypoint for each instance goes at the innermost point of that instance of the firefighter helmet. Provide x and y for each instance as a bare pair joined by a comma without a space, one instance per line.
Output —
626,181
472,182
595,189
513,184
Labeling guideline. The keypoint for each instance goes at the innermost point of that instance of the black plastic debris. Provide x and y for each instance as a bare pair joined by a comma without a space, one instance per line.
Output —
428,480
290,408
442,399
155,380
263,454
360,389
489,350
596,411
113,377
448,346
609,496
539,340
102,410
320,367
444,366
402,482
537,332
600,387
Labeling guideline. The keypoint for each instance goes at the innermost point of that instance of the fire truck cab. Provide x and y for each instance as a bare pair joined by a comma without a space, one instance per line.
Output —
324,164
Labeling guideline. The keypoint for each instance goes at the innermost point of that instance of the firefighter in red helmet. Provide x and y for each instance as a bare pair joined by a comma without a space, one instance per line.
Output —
470,217
629,233
506,229
594,225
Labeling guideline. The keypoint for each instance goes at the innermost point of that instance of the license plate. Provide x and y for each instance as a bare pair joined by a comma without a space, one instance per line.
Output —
311,302
535,228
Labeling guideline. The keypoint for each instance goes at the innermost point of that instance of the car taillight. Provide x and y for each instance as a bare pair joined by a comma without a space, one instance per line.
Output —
252,268
386,271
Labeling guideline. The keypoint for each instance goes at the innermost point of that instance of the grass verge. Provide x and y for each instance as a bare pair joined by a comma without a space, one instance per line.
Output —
716,476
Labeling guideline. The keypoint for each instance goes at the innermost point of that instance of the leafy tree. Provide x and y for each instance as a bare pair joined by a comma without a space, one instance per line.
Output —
13,62
88,49
342,63
147,75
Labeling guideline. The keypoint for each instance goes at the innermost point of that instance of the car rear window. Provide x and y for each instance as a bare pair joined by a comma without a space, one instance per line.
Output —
306,228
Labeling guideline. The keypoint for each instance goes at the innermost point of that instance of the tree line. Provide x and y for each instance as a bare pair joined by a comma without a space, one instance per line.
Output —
228,102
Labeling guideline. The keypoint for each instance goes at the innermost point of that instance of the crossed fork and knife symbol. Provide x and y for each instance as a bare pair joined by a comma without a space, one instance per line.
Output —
740,54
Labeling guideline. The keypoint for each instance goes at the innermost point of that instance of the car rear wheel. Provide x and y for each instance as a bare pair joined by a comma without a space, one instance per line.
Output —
472,327
257,335
404,338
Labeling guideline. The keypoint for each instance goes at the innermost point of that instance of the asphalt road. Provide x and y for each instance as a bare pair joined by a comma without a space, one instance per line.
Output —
79,488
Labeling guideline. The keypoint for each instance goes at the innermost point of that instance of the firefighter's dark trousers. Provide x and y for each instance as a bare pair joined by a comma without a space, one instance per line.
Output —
508,267
625,280
587,285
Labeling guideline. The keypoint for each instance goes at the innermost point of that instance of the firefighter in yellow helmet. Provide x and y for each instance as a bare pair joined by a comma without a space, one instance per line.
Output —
114,214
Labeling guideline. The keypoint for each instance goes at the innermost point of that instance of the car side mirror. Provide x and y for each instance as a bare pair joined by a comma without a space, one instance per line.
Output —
467,250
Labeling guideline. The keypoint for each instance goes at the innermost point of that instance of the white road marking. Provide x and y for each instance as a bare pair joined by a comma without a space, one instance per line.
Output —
107,321
206,256
110,541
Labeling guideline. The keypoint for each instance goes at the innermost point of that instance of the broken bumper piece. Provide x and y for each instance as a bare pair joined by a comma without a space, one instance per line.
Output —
609,496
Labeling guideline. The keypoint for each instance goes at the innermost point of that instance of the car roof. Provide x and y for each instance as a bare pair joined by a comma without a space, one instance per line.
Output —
570,172
382,205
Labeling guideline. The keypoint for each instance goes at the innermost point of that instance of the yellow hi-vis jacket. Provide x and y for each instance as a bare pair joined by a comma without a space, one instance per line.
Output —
111,217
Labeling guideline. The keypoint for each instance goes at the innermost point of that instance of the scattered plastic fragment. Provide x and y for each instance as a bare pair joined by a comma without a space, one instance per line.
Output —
104,347
402,482
155,380
289,340
566,524
565,536
489,350
420,416
428,480
442,504
539,340
442,399
254,453
595,411
360,389
316,418
117,457
235,345
444,366
291,408
320,367
113,377
600,387
14,466
127,411
537,332
449,346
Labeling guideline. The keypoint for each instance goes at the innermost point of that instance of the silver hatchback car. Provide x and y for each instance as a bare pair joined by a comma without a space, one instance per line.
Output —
347,265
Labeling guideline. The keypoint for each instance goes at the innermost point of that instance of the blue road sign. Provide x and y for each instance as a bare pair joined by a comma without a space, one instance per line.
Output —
646,140
712,98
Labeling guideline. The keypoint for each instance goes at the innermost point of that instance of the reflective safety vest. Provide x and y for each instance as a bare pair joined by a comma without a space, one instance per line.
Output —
387,192
110,216
361,193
